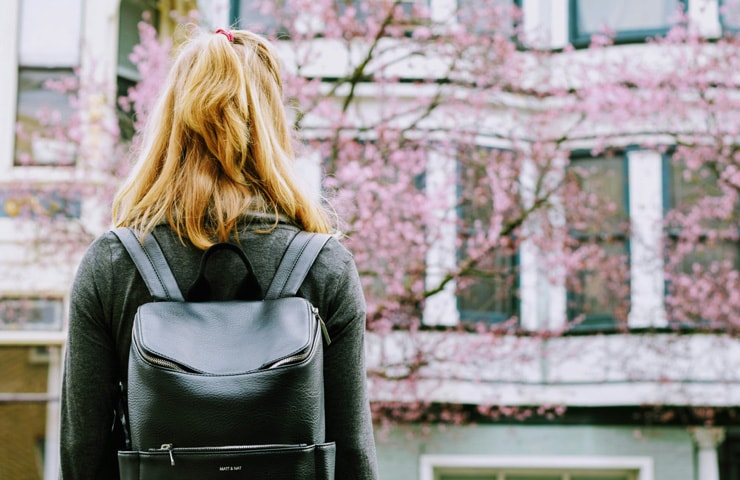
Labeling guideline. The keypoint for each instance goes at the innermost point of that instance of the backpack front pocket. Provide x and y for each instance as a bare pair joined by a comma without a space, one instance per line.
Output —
276,462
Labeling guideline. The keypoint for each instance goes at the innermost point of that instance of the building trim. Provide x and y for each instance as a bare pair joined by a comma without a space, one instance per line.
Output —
586,370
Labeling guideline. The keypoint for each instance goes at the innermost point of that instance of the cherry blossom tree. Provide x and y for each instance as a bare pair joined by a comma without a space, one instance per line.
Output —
447,146
465,85
401,90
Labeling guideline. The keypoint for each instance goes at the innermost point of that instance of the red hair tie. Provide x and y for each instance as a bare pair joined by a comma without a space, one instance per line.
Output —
228,34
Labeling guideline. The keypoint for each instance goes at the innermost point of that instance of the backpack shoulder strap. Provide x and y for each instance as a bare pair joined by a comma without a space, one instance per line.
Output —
295,264
152,265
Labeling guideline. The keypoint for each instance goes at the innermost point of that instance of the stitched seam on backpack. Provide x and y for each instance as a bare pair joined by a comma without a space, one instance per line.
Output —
292,268
156,272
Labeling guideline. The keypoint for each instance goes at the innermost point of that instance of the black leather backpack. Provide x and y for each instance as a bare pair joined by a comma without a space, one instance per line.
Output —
225,389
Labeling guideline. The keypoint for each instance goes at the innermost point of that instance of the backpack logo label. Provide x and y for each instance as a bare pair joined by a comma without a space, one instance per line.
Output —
230,468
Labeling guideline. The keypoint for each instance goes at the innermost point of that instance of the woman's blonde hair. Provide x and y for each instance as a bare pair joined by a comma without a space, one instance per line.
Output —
217,145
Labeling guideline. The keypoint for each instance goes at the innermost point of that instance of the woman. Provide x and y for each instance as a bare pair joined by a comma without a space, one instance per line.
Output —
215,165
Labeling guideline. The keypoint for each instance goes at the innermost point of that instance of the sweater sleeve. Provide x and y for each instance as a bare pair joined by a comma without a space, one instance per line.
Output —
90,384
348,420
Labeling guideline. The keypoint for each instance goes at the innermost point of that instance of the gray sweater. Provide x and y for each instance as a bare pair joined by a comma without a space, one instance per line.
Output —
105,295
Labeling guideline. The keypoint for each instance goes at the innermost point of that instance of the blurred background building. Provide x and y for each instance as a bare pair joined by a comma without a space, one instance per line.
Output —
606,431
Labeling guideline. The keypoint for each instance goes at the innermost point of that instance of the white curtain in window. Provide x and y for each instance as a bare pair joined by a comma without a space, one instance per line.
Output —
50,33
624,15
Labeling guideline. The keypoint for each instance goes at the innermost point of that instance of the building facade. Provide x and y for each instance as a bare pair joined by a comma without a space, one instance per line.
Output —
587,403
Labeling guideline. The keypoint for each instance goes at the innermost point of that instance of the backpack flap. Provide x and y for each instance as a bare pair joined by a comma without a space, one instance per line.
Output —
224,338
260,365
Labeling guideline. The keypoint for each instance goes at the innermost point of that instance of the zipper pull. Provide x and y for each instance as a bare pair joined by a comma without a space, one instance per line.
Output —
168,448
324,330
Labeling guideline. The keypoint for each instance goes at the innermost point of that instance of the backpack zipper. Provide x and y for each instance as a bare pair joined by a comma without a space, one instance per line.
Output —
324,330
170,449
299,357
161,362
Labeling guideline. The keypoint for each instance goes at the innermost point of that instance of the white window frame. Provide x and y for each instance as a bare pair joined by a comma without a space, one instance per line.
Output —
441,308
37,337
9,27
430,466
647,266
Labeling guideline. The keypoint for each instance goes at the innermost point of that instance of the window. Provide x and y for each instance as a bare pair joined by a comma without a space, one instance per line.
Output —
685,191
598,294
270,17
534,467
39,202
539,475
130,14
258,15
409,9
730,15
30,314
627,20
710,254
46,53
494,16
487,290
408,12
729,455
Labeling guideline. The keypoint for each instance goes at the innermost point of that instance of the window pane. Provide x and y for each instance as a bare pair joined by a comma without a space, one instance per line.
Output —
594,16
600,294
41,111
490,297
468,477
536,474
515,476
487,17
53,201
265,15
730,14
131,13
488,291
599,300
50,33
705,254
30,314
412,12
259,15
605,178
688,187
409,7
608,476
685,190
